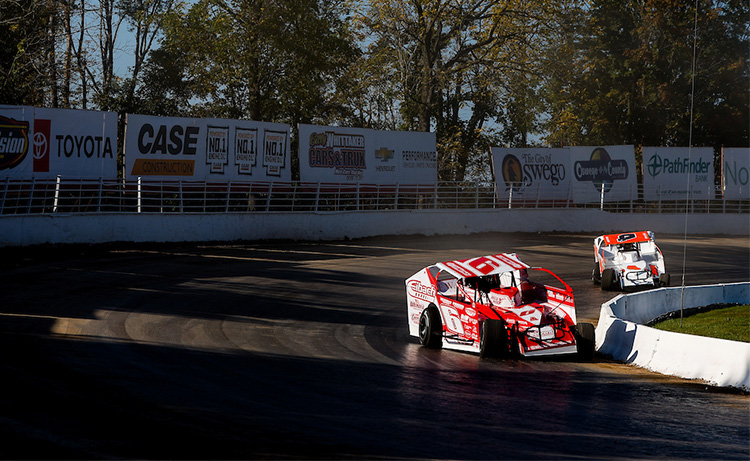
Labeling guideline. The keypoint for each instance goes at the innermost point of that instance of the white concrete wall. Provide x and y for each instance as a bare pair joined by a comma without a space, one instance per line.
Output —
22,230
621,334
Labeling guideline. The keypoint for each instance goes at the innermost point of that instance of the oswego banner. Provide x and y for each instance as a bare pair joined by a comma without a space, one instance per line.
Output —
360,155
206,149
580,173
735,162
672,173
44,143
531,173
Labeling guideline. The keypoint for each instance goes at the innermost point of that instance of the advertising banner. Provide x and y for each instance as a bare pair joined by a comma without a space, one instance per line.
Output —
608,168
176,148
669,173
44,143
735,162
532,173
360,155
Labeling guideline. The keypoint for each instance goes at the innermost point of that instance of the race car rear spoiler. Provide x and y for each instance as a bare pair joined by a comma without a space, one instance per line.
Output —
628,237
483,265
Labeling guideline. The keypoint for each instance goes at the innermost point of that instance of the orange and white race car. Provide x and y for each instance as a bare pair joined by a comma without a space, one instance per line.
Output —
628,260
495,305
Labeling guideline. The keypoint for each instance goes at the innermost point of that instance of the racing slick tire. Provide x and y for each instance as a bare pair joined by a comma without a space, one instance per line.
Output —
608,279
493,339
664,280
585,340
431,328
596,276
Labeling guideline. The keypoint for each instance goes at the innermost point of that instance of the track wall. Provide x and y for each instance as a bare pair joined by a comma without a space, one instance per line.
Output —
23,230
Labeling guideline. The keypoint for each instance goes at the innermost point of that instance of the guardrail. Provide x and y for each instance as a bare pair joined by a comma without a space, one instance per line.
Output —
63,195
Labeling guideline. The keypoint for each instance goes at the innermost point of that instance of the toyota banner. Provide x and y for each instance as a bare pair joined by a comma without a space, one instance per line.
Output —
43,143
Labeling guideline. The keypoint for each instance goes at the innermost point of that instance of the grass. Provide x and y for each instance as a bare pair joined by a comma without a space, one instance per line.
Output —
731,323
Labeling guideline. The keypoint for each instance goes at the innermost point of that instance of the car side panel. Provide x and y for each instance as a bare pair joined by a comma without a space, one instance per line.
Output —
420,293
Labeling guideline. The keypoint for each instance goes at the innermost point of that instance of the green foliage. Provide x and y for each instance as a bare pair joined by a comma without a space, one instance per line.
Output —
24,51
626,75
257,59
732,323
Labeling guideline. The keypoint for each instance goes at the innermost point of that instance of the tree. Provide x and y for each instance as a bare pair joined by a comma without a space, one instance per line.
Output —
259,59
452,61
26,49
628,76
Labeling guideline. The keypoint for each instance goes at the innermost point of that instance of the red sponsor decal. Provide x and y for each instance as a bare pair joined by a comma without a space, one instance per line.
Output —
420,291
483,265
41,144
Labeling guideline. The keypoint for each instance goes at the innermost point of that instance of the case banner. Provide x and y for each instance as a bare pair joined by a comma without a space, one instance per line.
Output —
204,149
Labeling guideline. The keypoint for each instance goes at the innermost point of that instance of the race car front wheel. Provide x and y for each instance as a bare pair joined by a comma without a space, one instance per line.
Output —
493,339
596,276
431,328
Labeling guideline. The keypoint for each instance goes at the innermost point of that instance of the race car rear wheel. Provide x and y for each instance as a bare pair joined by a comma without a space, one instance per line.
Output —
596,276
608,279
493,339
664,280
431,328
585,340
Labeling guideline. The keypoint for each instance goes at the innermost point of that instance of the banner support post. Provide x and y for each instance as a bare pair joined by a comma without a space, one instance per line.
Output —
138,203
57,194
317,197
510,197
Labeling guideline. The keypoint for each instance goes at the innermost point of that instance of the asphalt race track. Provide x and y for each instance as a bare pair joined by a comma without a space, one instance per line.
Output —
300,350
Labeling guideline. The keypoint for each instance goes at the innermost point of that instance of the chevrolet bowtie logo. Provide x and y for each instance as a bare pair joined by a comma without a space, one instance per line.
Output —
384,154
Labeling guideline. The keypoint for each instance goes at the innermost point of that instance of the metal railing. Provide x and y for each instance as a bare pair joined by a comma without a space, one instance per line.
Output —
61,195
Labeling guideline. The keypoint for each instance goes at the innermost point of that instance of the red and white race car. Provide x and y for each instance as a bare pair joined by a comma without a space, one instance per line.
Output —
491,306
628,260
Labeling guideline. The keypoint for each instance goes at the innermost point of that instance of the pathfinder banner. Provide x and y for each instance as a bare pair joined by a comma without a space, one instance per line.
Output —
206,149
670,173
360,155
44,143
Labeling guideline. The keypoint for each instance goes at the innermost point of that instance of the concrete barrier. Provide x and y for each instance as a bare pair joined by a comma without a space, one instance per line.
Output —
23,230
621,333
